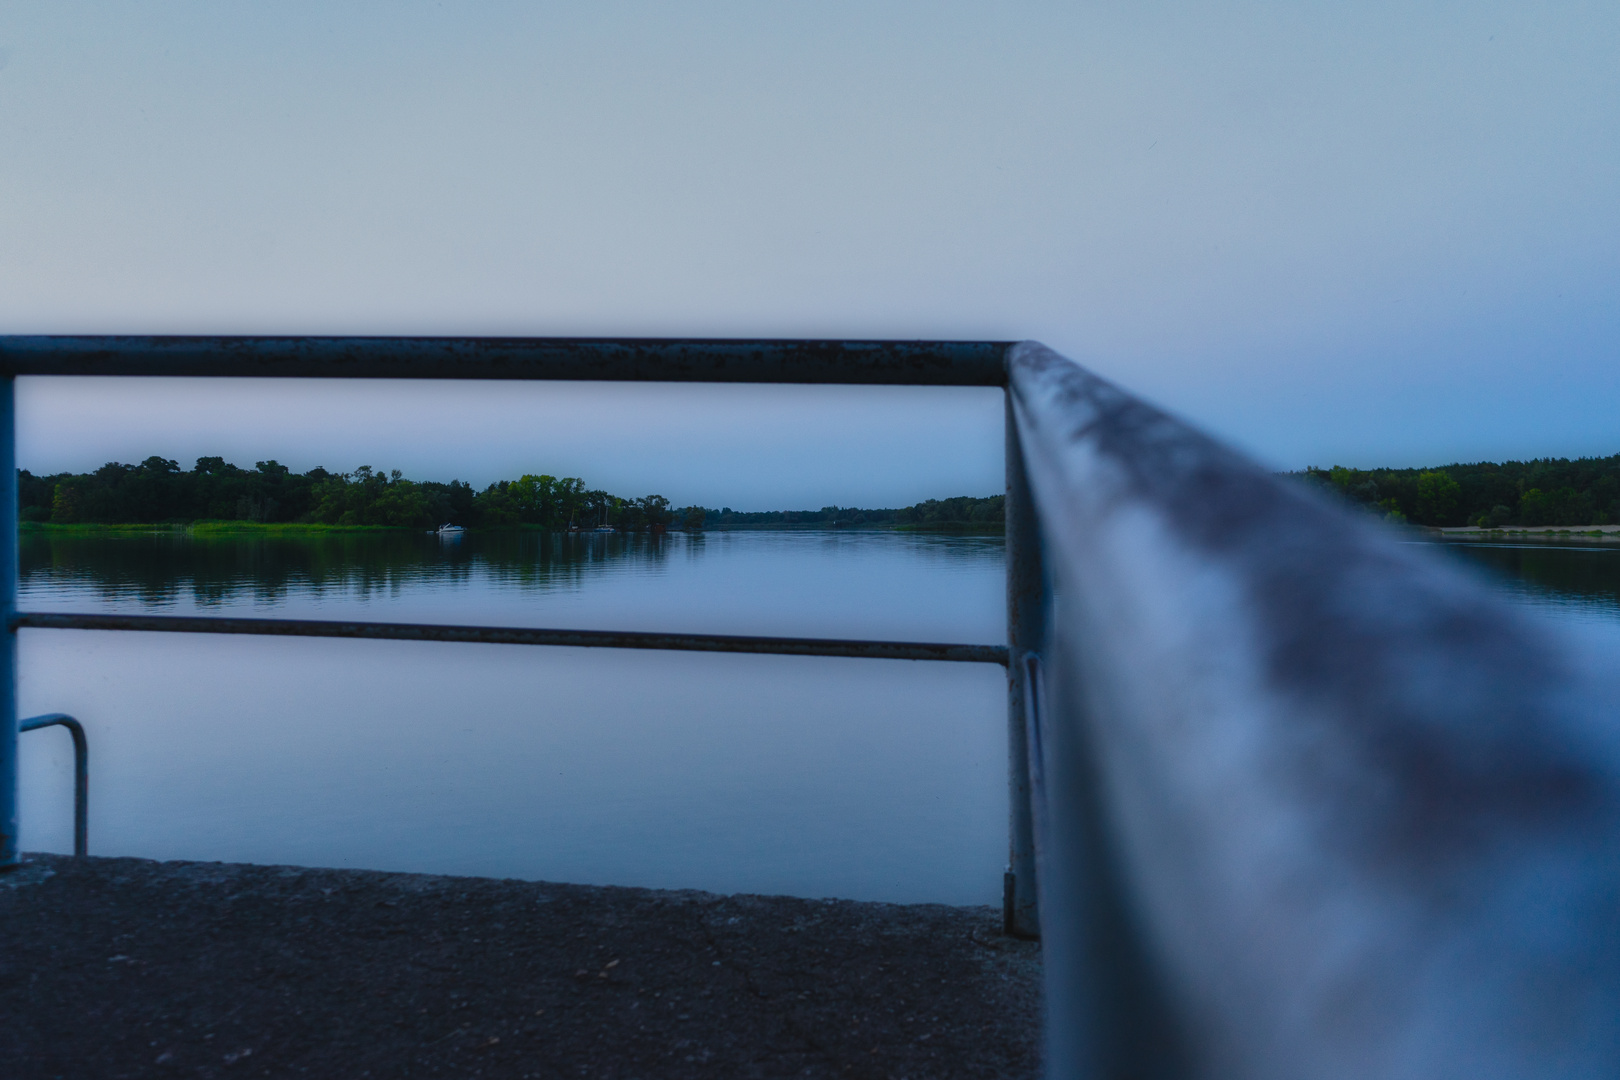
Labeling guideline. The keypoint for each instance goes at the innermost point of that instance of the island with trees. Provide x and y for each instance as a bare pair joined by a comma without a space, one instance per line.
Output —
214,493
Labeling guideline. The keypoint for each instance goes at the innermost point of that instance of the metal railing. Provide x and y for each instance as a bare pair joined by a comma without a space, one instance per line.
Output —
81,774
518,635
1304,800
911,363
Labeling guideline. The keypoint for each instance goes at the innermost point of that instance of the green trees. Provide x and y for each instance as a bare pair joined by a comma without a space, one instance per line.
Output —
958,511
653,512
1438,497
370,497
1543,492
544,501
68,501
962,511
158,491
1565,506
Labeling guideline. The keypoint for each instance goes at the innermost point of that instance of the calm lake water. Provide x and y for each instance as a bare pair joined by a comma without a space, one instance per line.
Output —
810,776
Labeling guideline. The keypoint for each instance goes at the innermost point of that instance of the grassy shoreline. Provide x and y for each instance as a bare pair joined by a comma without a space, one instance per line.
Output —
211,528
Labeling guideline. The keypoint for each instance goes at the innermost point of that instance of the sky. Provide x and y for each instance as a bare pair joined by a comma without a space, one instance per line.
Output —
1368,234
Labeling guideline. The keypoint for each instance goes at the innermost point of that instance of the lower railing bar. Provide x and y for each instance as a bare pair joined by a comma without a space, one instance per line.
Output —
81,773
514,635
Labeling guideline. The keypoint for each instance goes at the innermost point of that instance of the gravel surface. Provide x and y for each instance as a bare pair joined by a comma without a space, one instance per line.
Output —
131,968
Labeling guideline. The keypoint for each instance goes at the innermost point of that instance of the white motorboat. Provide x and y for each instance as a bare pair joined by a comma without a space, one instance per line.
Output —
450,530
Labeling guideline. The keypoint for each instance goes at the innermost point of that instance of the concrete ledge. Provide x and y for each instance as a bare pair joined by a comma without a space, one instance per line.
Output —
125,967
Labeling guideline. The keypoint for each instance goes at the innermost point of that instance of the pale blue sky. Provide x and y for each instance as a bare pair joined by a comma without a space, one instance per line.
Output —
1368,234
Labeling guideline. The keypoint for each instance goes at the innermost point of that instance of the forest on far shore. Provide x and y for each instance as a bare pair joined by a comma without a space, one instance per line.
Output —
1546,491
158,491
1542,492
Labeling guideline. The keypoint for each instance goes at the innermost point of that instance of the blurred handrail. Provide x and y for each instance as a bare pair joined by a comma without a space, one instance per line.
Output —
1319,803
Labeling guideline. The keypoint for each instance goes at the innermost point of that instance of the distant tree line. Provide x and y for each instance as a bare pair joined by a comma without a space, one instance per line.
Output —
158,491
1546,491
959,511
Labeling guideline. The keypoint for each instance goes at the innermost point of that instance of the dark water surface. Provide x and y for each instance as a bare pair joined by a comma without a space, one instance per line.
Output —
1562,579
855,778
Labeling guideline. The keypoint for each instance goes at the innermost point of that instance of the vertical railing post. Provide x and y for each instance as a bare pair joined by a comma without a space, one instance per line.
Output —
8,633
1026,621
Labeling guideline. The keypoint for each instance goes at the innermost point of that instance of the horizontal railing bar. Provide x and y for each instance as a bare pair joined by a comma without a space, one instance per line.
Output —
517,635
907,363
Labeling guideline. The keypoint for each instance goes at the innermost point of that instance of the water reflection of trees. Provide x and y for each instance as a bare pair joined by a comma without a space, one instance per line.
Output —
160,569
954,548
1589,575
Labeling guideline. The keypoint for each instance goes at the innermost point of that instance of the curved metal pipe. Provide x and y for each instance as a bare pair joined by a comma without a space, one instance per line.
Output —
81,773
